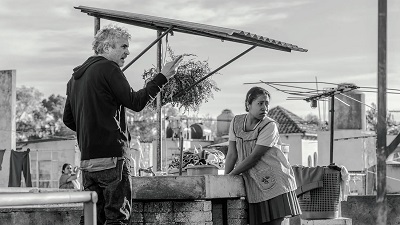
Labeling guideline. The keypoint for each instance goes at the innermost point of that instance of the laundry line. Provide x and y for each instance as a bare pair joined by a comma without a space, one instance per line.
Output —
356,137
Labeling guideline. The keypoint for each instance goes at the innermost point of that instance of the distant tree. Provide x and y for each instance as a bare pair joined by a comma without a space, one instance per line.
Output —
55,109
312,119
55,105
30,114
38,118
371,116
391,125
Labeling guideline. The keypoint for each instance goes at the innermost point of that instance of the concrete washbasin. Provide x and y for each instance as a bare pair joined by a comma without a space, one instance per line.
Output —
187,187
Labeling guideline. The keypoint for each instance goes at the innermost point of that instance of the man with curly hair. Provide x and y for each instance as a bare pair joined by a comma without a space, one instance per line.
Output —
97,95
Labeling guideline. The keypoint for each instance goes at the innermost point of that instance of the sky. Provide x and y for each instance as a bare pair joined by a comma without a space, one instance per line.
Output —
44,40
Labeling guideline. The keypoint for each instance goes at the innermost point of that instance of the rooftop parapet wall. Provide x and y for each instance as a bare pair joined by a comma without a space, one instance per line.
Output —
363,210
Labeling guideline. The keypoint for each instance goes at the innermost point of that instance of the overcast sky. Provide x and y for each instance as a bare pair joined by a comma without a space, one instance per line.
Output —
43,40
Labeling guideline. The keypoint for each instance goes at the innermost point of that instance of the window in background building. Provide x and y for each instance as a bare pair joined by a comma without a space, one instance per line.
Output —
34,170
45,169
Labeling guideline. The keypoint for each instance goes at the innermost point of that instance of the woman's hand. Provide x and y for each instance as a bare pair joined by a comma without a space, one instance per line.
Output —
231,158
250,160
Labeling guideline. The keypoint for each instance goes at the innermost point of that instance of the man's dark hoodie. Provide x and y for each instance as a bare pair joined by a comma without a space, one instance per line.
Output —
97,95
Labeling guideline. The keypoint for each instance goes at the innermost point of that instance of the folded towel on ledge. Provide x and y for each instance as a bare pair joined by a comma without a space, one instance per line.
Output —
308,178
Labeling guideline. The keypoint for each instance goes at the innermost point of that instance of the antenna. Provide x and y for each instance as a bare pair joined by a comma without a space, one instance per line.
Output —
331,93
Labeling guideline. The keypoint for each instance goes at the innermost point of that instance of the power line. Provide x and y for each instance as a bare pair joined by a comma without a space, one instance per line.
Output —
283,84
390,89
357,101
296,82
351,138
387,92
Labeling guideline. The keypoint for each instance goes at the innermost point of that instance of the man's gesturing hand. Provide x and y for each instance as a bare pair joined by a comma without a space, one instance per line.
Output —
169,69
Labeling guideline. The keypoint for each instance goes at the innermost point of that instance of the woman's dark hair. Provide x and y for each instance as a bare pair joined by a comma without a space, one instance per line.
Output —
64,166
253,93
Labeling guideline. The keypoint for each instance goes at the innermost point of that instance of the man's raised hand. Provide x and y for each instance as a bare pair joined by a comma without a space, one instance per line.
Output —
170,68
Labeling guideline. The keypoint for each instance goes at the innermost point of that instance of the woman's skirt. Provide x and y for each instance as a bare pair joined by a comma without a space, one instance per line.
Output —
285,205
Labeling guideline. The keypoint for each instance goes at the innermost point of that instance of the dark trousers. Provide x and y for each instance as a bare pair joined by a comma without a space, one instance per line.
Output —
114,190
19,162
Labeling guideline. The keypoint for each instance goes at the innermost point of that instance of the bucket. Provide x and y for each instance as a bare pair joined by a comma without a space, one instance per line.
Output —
201,170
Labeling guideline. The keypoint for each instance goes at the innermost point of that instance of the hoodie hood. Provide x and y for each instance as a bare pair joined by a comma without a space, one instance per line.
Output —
80,70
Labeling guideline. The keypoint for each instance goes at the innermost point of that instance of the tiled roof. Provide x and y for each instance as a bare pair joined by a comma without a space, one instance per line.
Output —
290,123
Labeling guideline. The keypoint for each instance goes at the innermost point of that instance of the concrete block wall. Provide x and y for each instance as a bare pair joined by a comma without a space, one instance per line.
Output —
363,209
360,209
236,212
172,212
41,215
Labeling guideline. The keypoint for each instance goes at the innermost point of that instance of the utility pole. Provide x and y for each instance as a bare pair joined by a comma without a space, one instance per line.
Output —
159,122
381,130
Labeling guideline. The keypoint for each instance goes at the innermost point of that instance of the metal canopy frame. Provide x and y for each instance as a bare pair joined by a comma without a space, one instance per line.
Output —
160,23
167,25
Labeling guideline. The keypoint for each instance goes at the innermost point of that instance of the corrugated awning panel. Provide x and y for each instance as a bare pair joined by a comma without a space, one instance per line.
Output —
160,23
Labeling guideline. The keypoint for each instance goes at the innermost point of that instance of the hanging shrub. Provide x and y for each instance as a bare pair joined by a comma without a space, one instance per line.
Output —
188,73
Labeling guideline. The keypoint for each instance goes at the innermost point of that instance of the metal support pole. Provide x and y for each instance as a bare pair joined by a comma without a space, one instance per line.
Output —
96,25
180,149
177,95
89,210
89,198
381,120
146,49
332,129
159,124
393,145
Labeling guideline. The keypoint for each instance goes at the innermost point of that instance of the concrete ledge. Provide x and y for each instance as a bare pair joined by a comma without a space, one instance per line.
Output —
335,221
33,190
61,207
201,187
41,208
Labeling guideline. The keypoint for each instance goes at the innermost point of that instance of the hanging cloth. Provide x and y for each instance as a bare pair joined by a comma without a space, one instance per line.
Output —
2,151
19,162
308,178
